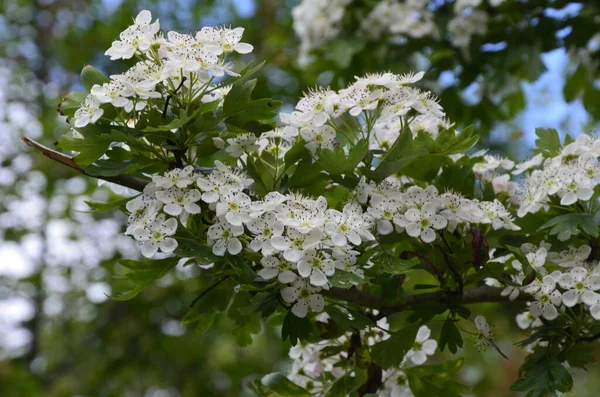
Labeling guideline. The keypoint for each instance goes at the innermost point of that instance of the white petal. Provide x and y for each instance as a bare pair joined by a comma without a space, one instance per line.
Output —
304,268
419,358
589,297
428,235
318,278
268,273
243,48
300,309
289,294
549,312
423,334
172,209
234,246
316,302
570,298
287,276
149,248
413,230
595,311
339,239
429,346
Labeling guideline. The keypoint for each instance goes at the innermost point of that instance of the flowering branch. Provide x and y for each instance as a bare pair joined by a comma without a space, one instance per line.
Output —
128,181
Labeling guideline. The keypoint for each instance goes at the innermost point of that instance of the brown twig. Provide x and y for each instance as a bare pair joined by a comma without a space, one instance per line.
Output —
475,295
129,181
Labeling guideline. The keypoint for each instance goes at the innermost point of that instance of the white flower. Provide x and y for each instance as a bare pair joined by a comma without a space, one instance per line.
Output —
423,223
295,243
318,137
155,235
484,333
234,207
317,266
348,225
580,286
525,320
243,143
547,298
180,177
529,164
142,211
88,113
264,228
224,238
116,93
224,39
422,347
179,201
274,267
384,211
304,295
137,37
574,256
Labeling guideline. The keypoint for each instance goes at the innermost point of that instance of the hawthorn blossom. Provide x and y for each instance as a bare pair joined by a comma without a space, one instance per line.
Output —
547,298
243,143
234,207
88,113
316,265
423,223
264,228
180,177
294,243
422,347
274,267
348,225
136,38
303,296
223,237
156,234
179,201
484,335
580,286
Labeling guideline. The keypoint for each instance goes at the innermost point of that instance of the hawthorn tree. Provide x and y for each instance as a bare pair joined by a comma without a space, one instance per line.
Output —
320,223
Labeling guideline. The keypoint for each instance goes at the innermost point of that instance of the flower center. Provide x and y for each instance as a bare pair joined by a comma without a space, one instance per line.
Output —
157,236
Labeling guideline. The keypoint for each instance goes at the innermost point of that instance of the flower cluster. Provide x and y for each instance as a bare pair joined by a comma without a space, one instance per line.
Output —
178,64
378,105
314,368
421,213
317,21
563,280
571,175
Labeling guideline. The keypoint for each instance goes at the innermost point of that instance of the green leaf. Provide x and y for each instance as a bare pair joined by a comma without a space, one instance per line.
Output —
280,385
307,173
352,322
436,380
548,142
450,336
571,224
103,207
580,355
347,384
69,104
295,328
143,273
543,375
390,353
296,153
344,279
91,147
91,76
393,265
335,161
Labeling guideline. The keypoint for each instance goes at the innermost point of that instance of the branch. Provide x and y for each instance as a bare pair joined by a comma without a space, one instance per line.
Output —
129,181
470,296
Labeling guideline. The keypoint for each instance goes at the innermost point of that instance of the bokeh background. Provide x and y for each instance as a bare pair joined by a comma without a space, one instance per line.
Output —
60,334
